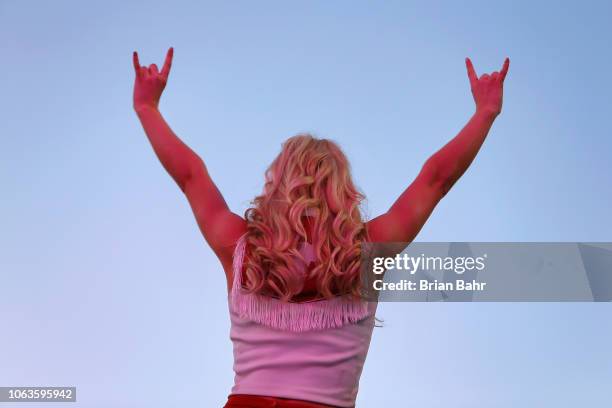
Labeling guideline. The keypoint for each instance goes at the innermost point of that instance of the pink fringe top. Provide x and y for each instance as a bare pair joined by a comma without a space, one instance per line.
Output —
312,351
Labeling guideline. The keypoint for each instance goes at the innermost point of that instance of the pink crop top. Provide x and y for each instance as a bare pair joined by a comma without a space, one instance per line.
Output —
312,351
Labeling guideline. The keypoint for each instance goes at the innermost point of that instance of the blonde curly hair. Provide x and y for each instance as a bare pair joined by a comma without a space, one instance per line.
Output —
309,178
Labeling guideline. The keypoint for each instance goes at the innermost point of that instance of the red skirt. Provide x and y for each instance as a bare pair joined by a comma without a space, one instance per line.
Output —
258,401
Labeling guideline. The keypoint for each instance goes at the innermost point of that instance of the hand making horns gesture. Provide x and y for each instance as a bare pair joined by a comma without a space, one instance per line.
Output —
150,82
488,90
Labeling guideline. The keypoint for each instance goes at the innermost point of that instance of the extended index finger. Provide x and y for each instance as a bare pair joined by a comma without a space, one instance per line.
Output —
167,63
504,69
470,70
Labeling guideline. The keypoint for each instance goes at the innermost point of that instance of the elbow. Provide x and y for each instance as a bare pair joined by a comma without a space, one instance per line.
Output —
183,183
191,173
439,176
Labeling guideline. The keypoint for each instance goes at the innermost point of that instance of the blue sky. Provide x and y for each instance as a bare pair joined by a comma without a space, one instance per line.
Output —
106,282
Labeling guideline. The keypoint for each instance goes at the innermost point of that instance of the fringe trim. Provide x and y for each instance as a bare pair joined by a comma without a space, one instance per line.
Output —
290,316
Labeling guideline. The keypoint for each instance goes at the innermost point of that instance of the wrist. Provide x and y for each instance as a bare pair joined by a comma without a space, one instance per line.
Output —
487,113
144,108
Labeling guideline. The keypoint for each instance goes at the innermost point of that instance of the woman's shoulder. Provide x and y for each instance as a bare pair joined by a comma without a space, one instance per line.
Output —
227,248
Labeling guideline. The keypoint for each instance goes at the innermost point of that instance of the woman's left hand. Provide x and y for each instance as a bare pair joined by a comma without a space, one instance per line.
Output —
150,83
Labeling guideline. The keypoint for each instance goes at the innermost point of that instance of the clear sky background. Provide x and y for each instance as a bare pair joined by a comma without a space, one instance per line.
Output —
106,283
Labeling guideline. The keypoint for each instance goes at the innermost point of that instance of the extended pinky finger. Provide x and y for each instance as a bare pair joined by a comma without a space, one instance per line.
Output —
504,70
136,63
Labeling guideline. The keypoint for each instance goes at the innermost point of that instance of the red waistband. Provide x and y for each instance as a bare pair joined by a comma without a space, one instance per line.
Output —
258,401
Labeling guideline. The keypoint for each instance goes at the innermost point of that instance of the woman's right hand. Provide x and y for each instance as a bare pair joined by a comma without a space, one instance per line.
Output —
150,83
488,90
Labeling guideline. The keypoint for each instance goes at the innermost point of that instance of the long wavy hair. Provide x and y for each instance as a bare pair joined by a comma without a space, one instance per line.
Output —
309,180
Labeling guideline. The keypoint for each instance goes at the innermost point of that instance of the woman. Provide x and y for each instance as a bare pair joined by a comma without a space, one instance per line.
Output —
299,328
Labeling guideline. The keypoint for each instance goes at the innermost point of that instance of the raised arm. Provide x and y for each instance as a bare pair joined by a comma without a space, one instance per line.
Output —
218,224
441,171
